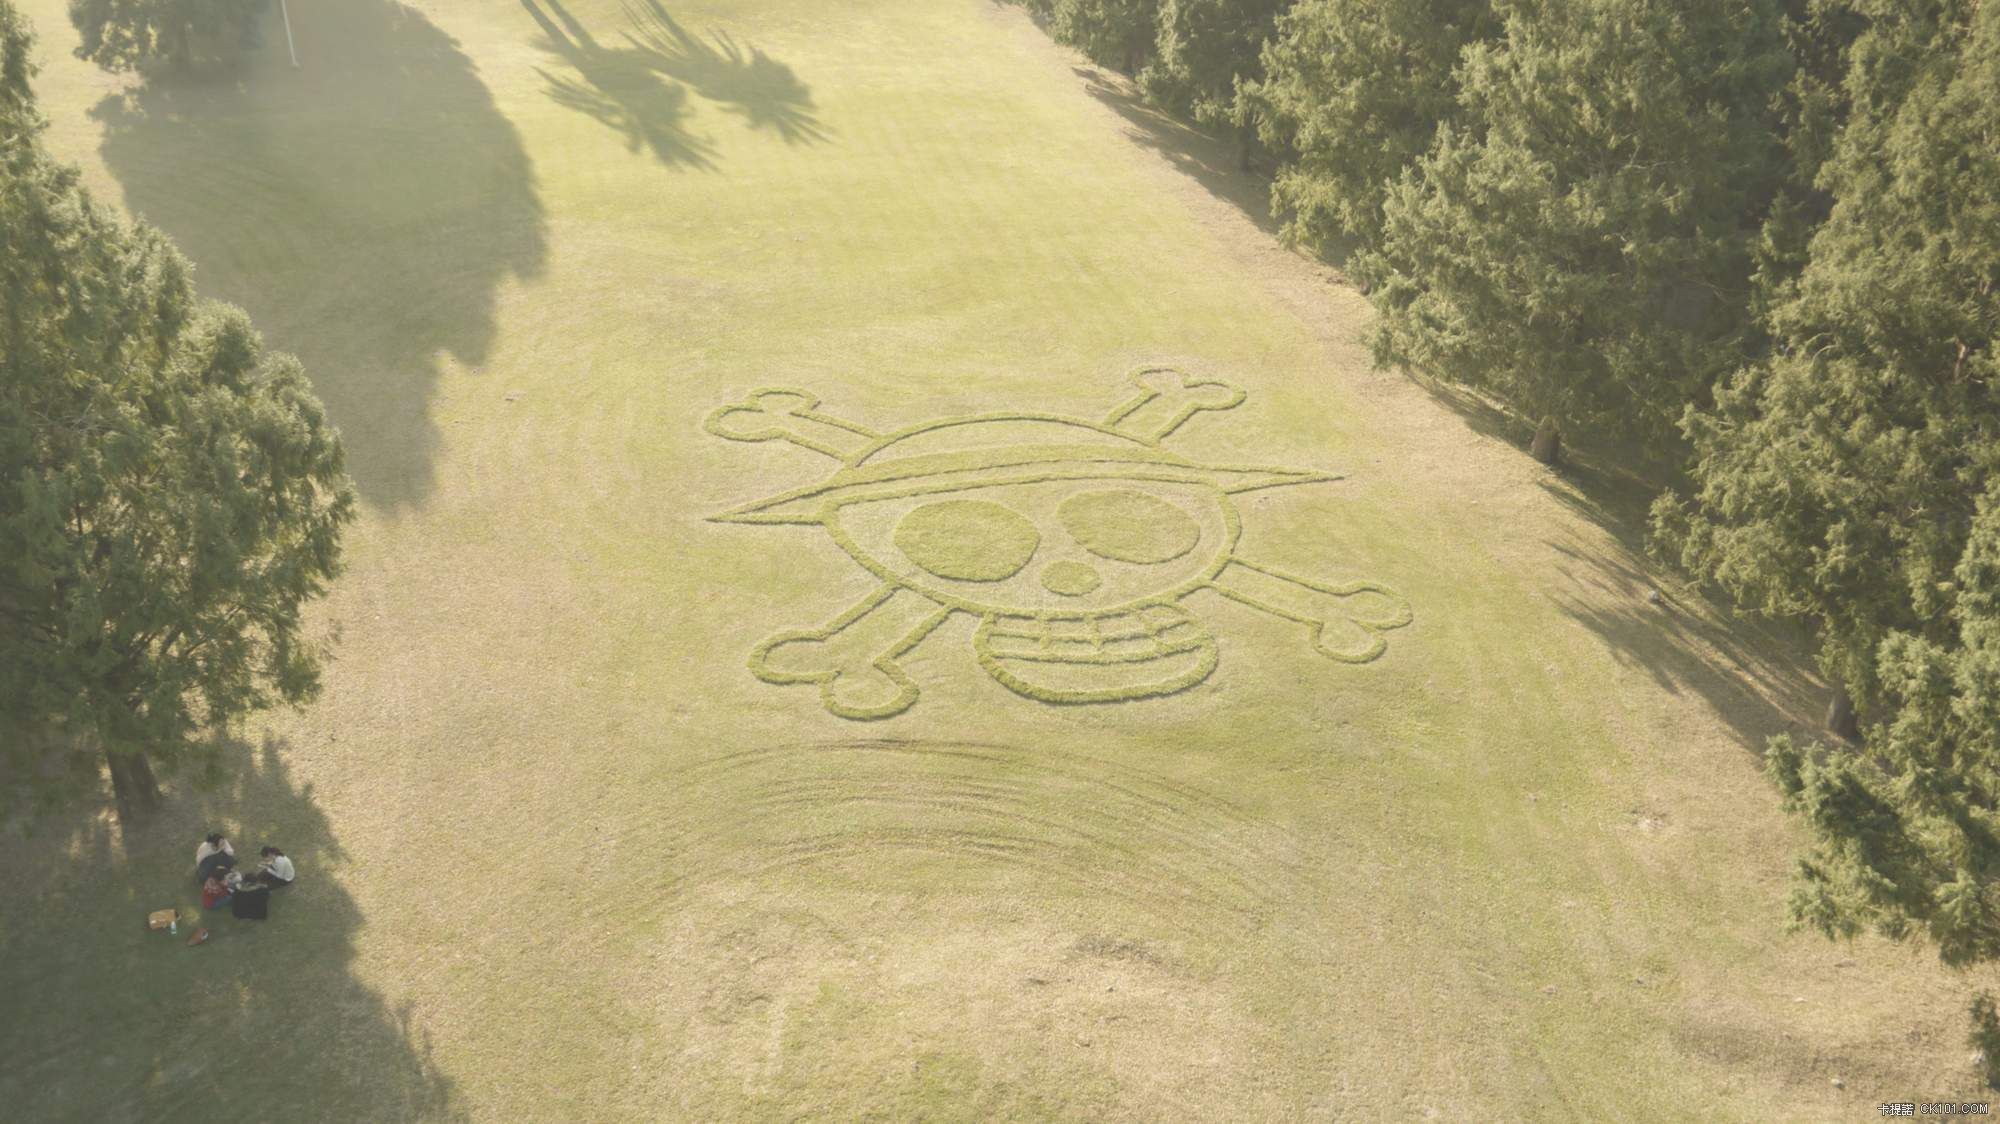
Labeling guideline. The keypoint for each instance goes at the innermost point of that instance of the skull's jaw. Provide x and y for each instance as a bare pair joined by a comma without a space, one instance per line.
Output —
1154,650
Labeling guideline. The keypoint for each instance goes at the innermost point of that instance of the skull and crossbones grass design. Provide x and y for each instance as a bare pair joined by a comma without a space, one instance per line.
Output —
1071,542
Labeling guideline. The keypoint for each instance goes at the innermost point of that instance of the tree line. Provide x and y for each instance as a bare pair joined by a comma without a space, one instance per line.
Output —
1760,237
171,493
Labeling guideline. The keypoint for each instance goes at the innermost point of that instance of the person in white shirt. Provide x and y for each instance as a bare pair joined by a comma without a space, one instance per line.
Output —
276,870
211,845
214,854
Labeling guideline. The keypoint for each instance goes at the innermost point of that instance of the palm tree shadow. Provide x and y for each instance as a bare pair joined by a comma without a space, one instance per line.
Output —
620,88
266,1021
740,77
365,210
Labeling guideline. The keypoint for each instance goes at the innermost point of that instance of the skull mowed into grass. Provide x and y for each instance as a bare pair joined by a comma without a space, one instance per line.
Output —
1072,542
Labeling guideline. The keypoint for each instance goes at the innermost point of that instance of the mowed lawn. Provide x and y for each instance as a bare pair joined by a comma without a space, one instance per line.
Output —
564,857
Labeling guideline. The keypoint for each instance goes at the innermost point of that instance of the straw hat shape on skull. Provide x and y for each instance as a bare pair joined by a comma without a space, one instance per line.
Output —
1072,542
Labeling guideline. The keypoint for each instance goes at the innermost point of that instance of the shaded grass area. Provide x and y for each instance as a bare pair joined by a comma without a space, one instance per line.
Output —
1755,674
364,210
1205,159
263,1021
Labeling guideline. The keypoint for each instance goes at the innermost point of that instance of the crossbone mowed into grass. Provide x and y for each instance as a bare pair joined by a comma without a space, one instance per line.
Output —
1072,542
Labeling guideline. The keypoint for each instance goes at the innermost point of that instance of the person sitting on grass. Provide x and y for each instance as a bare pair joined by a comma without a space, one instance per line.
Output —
215,891
276,870
214,854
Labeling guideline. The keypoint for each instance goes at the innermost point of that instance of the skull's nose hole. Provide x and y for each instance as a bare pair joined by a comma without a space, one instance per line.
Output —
1071,579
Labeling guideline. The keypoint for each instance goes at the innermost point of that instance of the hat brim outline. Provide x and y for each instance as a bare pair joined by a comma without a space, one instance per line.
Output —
1142,461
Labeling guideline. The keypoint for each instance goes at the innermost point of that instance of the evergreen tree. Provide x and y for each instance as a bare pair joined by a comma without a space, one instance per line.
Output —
1810,111
1354,92
1853,480
1207,57
1113,33
18,121
1577,241
170,494
122,34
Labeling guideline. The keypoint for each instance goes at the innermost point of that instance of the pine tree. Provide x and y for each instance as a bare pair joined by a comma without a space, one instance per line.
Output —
1354,93
1208,56
1853,480
1114,33
18,120
171,494
1576,240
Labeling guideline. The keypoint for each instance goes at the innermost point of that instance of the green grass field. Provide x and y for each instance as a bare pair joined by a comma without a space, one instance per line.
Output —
566,857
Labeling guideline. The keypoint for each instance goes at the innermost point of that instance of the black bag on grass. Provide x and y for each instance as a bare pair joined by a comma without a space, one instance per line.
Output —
253,905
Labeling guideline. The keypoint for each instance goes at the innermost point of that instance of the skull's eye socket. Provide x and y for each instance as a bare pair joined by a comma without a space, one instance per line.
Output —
968,540
1128,526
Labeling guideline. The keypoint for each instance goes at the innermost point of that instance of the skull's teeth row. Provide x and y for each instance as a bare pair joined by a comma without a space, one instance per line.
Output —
1178,637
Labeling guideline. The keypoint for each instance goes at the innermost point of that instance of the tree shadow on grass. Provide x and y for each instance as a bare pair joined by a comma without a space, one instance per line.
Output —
364,209
738,76
640,89
1755,675
265,1021
1209,161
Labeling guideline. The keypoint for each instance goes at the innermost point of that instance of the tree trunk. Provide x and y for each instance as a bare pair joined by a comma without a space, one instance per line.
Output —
1244,135
1840,719
1136,53
183,49
133,785
1547,446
